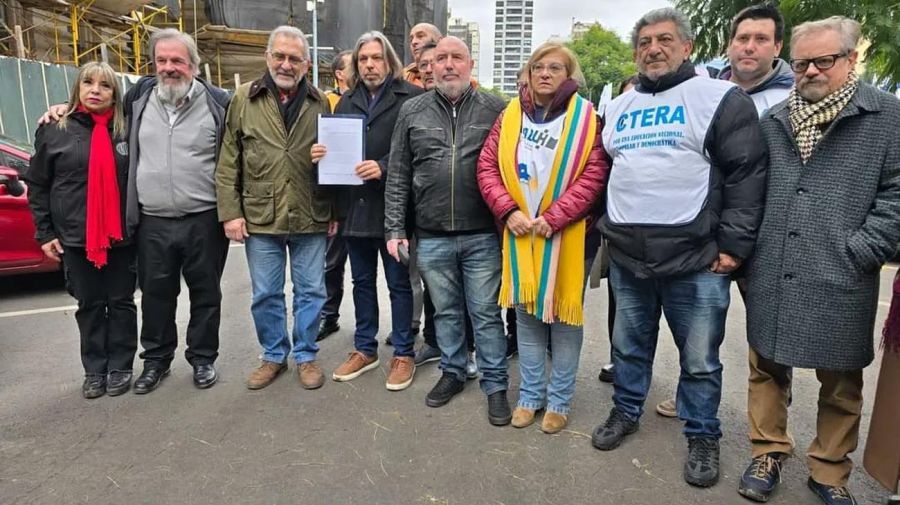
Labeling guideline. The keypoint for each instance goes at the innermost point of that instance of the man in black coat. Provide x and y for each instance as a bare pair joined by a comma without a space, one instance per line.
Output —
377,93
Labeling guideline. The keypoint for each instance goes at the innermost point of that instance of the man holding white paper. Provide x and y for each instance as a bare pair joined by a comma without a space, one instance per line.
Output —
268,197
377,91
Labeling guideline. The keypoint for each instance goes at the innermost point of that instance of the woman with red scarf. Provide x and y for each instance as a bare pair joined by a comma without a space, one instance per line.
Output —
77,180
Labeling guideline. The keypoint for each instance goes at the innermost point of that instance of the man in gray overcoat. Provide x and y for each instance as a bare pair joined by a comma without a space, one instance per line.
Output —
832,218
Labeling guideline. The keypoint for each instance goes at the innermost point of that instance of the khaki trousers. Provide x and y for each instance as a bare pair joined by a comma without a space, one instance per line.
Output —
837,421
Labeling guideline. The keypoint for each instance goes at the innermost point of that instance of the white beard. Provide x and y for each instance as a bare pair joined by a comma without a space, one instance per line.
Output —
173,93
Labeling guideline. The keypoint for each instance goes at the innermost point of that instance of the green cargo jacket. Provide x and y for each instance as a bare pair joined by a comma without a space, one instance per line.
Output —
265,174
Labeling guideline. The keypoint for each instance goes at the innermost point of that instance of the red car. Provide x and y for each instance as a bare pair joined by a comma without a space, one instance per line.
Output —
19,251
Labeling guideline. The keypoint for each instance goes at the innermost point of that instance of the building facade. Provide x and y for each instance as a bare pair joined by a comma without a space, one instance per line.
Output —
469,33
512,42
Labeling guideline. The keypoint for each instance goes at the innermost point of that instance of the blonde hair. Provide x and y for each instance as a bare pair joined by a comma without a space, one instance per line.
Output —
573,69
105,72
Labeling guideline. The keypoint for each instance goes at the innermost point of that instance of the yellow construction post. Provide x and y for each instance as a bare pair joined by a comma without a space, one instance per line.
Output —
73,14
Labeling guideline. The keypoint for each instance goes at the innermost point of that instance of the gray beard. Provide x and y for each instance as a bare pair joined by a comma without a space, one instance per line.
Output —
173,93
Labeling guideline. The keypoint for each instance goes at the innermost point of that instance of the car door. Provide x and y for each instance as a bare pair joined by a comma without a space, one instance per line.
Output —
18,249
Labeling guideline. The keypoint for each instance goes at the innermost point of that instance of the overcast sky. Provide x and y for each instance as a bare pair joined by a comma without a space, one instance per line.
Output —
552,18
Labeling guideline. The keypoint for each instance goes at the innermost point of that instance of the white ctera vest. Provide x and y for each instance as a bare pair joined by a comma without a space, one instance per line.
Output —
660,169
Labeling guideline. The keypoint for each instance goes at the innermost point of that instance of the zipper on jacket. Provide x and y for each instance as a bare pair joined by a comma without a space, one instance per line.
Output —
169,162
453,171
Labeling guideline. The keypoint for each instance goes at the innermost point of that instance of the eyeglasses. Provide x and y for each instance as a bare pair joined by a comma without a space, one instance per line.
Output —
553,68
280,58
822,62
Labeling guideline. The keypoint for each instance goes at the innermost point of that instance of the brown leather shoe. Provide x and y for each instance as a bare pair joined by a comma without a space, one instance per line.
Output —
403,368
553,422
310,375
522,417
357,364
267,372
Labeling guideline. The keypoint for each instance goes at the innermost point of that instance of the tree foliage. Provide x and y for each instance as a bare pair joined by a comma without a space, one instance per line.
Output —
880,19
604,58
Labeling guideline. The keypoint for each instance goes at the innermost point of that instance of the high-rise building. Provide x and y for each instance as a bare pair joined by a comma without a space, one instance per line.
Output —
468,32
512,42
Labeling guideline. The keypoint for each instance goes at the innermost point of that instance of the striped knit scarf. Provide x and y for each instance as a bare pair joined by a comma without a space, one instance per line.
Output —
809,119
547,275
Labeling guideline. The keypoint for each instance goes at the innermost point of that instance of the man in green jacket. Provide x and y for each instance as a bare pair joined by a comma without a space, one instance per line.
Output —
268,196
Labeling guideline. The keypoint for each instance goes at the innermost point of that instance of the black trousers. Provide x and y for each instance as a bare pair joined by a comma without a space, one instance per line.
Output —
106,315
195,247
335,261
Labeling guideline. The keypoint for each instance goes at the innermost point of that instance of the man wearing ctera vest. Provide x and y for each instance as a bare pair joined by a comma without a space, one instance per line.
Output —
684,203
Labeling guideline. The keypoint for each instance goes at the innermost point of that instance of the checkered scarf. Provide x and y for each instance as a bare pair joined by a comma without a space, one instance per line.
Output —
808,119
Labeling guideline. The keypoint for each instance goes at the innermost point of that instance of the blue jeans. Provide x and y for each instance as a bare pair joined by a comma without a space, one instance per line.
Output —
533,335
364,269
465,270
266,255
695,306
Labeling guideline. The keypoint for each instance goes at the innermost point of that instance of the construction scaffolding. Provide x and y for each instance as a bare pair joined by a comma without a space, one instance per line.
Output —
231,35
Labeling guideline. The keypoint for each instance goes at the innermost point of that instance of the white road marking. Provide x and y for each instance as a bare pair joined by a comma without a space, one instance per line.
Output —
47,310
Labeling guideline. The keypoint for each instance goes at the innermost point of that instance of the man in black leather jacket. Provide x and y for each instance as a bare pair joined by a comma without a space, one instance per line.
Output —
431,180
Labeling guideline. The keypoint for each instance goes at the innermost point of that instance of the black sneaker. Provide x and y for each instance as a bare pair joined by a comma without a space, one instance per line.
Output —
118,383
499,413
388,340
831,495
761,478
426,354
702,466
94,386
607,373
326,328
445,389
610,434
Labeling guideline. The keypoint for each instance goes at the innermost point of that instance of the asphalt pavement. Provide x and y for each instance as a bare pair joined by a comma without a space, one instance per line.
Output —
354,442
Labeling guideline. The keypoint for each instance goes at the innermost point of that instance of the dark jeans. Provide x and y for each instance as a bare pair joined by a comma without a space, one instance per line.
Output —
335,260
695,306
194,246
106,315
364,254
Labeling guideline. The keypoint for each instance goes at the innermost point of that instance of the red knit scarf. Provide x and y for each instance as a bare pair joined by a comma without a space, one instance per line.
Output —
892,325
104,219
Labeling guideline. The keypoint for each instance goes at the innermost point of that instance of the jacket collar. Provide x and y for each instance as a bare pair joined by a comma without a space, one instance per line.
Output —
684,72
357,98
557,105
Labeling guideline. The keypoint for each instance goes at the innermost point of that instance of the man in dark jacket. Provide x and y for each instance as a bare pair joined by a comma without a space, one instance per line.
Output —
433,156
378,92
173,197
684,202
833,198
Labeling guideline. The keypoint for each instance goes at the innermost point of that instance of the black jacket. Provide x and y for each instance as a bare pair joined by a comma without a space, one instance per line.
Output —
361,208
57,179
730,218
434,154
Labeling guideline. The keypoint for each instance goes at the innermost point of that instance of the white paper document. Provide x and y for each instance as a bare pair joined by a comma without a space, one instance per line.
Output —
343,139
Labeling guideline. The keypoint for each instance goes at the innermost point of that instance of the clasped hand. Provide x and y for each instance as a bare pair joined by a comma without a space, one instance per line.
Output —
519,224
